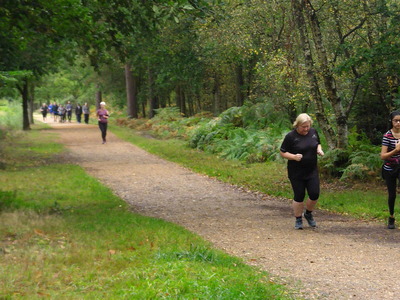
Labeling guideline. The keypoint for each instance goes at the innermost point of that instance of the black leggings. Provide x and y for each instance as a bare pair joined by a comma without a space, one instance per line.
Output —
300,186
391,183
103,129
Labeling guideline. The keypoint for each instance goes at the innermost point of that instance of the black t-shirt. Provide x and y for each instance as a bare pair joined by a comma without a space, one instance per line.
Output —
306,145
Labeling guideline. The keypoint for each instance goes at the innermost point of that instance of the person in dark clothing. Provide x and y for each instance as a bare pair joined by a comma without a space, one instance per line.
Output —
68,111
55,111
44,109
102,117
300,147
86,112
390,153
78,112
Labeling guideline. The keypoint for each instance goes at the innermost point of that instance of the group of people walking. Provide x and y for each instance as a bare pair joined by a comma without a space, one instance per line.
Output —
63,113
301,147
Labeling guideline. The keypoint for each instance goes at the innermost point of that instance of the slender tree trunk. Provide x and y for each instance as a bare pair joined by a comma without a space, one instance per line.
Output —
98,98
250,74
342,37
239,85
144,109
217,96
131,92
180,99
377,85
151,99
23,89
297,6
183,103
31,97
327,75
198,101
191,106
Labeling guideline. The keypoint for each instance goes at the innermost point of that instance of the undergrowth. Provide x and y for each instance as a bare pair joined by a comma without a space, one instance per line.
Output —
253,134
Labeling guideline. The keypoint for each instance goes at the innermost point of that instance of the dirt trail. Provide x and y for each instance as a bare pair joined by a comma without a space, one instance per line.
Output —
342,259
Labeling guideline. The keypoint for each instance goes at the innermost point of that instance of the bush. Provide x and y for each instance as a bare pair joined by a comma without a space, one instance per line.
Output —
229,137
360,160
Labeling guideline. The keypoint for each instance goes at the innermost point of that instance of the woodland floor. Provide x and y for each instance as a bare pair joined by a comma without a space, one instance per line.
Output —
343,258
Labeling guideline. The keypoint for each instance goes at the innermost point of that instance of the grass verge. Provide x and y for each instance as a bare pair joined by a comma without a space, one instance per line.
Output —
63,235
361,200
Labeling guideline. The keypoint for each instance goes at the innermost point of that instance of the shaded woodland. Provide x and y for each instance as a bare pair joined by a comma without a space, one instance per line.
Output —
336,60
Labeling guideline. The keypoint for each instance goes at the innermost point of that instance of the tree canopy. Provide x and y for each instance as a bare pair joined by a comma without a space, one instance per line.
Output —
337,60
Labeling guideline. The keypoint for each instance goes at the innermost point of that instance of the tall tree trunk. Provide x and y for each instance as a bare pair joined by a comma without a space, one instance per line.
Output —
183,103
23,89
239,85
376,80
327,75
342,38
131,92
298,8
151,99
144,109
98,97
217,96
180,99
191,106
199,106
31,97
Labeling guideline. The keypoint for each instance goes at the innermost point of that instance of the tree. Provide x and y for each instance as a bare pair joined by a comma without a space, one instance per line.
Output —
34,36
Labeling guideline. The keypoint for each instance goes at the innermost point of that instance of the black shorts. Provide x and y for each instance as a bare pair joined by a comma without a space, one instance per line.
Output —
300,186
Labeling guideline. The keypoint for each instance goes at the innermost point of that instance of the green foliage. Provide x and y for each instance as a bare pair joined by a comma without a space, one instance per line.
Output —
360,160
167,123
10,114
167,114
244,133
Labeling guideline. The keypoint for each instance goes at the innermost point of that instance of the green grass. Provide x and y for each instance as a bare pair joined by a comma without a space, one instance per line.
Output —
10,114
63,235
359,199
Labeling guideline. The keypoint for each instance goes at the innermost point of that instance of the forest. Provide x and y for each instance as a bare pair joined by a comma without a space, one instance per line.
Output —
253,64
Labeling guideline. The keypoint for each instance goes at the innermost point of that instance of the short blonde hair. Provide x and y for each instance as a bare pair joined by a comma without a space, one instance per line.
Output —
302,118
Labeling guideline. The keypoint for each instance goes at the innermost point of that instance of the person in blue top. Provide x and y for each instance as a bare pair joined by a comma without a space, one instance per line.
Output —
390,153
300,147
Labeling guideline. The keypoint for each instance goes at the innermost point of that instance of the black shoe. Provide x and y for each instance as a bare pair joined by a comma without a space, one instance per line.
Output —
299,224
391,223
310,219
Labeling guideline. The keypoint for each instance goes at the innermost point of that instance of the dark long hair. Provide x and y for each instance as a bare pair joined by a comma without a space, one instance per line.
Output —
391,117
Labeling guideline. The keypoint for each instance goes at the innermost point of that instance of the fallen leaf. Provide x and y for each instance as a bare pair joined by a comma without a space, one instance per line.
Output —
39,232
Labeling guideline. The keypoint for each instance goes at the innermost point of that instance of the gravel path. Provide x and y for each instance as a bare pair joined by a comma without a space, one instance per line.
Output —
341,259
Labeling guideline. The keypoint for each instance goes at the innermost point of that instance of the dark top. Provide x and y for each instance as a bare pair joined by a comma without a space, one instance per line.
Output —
306,145
78,110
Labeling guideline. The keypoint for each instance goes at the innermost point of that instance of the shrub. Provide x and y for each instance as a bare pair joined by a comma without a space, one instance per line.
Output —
360,160
228,137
